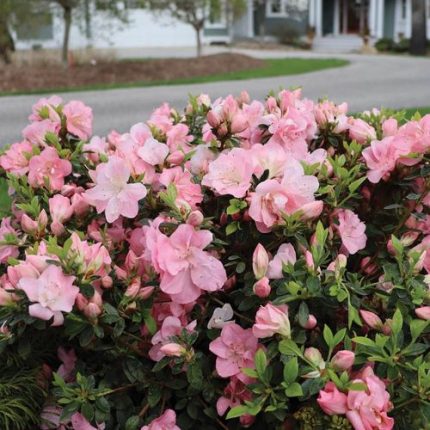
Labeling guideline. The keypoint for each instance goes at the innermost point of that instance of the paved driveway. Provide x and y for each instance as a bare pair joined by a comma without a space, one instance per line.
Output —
389,81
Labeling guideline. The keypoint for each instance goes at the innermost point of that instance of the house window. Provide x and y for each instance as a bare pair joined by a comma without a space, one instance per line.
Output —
276,8
217,15
39,27
404,8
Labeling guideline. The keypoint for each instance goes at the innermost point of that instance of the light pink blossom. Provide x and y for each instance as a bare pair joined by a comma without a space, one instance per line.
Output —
48,168
7,250
167,421
235,349
61,210
79,119
16,159
230,173
286,255
52,293
351,230
112,193
270,320
186,270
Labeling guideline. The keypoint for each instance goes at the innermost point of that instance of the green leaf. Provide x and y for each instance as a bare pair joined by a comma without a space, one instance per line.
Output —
5,199
289,347
237,411
132,423
291,370
353,186
195,375
294,390
361,340
417,327
260,364
397,323
328,336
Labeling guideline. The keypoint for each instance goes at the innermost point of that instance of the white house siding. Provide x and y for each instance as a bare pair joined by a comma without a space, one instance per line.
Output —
144,30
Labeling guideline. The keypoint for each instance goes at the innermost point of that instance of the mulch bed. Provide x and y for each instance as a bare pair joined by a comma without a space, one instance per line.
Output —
21,78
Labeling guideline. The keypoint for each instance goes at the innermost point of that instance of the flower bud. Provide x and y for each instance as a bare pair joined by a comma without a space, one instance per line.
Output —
146,292
107,282
371,319
173,350
310,323
315,357
343,360
260,261
423,312
195,218
262,288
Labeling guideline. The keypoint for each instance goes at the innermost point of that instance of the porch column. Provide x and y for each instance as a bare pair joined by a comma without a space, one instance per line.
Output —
371,18
380,19
336,17
409,19
318,18
312,13
250,18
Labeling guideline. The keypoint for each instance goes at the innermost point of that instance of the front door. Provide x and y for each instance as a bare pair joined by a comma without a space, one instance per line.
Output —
353,16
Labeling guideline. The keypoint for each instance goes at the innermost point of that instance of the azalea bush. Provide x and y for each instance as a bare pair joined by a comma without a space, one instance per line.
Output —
238,264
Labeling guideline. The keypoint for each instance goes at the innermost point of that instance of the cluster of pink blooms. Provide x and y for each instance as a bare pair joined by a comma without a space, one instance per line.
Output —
96,202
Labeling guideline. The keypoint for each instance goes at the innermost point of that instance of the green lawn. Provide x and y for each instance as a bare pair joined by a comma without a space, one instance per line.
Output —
422,110
272,68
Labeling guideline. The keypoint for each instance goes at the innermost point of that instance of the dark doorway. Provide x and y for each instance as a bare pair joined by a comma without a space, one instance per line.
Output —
353,16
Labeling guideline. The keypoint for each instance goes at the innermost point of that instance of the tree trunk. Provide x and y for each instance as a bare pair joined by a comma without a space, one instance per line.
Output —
67,26
419,33
199,41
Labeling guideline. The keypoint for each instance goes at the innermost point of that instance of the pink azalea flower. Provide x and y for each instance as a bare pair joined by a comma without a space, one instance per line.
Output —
235,349
331,400
61,211
381,157
367,410
178,138
35,132
272,200
6,250
153,152
230,173
91,260
167,421
270,320
286,254
79,422
48,166
185,269
53,293
187,190
97,146
46,108
17,158
79,119
235,393
112,192
172,326
360,130
68,360
271,157
351,230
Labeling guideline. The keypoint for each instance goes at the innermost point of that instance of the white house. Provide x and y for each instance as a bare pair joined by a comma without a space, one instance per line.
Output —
337,25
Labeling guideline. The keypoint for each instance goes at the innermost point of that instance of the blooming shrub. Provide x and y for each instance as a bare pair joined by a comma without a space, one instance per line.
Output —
244,263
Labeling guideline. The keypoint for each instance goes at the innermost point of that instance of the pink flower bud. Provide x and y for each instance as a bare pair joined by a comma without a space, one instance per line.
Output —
173,350
92,311
133,289
423,312
195,218
312,210
367,266
213,118
176,158
315,357
260,261
343,360
371,319
107,282
262,288
309,260
28,225
146,292
310,323
230,283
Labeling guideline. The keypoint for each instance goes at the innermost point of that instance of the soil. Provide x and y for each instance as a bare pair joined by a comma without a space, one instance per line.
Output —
34,77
